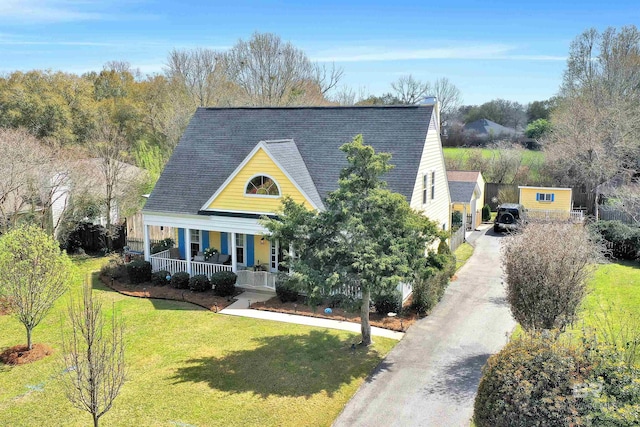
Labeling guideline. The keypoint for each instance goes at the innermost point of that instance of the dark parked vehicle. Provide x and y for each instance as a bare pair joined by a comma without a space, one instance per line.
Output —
510,216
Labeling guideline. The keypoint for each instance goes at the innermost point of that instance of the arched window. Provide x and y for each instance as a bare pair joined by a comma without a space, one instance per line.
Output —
263,186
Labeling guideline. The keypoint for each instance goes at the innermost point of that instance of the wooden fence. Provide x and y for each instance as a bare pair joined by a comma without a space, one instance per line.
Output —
456,239
607,213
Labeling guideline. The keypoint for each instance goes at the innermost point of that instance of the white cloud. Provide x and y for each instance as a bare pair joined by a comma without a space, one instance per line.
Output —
57,11
484,52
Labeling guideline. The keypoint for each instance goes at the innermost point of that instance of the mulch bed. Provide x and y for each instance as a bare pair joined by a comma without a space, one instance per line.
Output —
5,308
19,355
399,323
146,290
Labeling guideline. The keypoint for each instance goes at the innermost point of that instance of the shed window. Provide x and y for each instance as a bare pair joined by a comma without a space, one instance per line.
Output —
545,197
262,185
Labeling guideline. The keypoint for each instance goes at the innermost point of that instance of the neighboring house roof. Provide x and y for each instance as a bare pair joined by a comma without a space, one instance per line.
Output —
486,127
465,176
217,140
461,192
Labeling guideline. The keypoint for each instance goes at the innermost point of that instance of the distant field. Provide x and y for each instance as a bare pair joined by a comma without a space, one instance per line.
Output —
530,169
529,157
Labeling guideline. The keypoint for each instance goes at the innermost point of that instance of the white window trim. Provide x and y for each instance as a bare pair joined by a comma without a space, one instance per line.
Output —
199,242
243,246
263,196
425,188
433,185
545,197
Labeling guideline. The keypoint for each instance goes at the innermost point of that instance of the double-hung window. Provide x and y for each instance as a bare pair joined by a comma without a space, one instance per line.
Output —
433,185
196,243
545,197
425,185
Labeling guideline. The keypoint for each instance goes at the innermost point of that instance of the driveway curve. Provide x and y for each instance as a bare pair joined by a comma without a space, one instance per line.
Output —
430,378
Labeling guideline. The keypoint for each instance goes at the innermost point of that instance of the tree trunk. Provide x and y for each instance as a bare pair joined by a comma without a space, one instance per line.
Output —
365,327
95,420
29,344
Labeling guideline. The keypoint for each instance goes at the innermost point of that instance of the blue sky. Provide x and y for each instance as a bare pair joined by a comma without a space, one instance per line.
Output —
489,49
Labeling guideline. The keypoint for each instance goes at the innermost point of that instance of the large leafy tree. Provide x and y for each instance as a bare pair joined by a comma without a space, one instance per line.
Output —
368,238
33,274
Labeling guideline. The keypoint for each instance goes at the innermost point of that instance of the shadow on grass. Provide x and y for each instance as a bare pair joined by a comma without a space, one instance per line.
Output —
460,379
284,365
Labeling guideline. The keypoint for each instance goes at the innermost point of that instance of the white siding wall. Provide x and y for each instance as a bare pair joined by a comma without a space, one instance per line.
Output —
433,160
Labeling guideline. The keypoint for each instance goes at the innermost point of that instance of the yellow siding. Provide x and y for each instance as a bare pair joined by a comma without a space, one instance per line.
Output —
459,207
561,202
214,240
233,198
261,250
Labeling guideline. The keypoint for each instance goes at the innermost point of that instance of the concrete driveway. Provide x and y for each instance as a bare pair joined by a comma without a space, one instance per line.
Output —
430,378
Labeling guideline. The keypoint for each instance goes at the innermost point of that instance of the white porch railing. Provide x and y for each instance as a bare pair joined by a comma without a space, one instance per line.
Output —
257,278
162,261
207,268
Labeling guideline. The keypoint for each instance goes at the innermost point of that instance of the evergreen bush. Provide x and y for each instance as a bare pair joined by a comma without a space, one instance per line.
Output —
224,283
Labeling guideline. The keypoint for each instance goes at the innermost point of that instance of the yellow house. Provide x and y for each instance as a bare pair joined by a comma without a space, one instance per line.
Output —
233,166
547,203
467,196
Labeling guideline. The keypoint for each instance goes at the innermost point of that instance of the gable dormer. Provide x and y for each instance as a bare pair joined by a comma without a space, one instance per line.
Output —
272,170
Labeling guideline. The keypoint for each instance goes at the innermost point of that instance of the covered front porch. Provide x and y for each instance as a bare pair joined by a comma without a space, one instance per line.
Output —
240,244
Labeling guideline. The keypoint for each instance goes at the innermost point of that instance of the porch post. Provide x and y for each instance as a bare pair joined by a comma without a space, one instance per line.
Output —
187,248
234,253
291,255
147,242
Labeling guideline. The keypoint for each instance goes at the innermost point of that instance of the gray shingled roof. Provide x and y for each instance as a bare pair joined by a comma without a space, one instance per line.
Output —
217,140
287,155
487,127
461,192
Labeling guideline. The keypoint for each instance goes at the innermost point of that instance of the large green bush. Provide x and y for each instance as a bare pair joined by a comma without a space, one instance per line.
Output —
287,288
387,302
530,383
224,283
139,271
432,280
623,239
159,278
538,380
180,280
486,213
199,283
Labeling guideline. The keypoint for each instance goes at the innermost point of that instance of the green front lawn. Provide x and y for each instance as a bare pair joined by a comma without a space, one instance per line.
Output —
190,366
615,288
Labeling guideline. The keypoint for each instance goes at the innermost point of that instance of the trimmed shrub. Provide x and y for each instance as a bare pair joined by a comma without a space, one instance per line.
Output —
159,278
429,287
622,240
387,303
199,283
486,213
443,247
224,283
531,383
287,288
180,280
340,301
456,219
116,268
139,271
162,245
